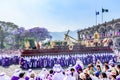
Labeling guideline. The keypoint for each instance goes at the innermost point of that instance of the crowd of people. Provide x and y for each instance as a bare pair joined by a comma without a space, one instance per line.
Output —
100,66
9,57
98,71
48,61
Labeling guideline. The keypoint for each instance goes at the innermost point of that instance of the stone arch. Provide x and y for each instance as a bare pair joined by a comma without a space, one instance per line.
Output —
91,31
108,28
82,34
87,32
95,29
116,42
101,29
116,26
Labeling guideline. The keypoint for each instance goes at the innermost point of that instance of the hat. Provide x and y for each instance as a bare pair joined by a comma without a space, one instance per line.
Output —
30,70
17,70
57,68
44,69
2,74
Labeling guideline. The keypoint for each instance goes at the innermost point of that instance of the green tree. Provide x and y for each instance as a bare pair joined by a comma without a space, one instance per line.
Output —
6,29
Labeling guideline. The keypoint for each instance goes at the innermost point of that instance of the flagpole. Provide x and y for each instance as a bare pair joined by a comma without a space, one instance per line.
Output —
102,16
96,19
96,14
103,10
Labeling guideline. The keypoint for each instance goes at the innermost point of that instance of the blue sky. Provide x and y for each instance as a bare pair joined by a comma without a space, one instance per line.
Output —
57,15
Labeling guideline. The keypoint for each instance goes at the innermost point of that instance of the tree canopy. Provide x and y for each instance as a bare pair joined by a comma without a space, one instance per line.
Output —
13,36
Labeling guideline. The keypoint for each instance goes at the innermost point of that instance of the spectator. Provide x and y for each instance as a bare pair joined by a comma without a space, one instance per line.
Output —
98,72
104,76
82,76
15,76
73,73
32,77
22,76
118,76
107,70
112,75
91,69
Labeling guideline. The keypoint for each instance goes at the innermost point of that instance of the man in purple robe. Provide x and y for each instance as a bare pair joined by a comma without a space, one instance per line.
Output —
79,65
0,61
52,63
43,74
58,75
16,60
30,71
3,62
16,75
25,64
22,62
7,61
38,63
50,75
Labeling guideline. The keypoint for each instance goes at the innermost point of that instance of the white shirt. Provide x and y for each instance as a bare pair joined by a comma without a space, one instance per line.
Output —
58,76
94,77
32,79
21,79
69,78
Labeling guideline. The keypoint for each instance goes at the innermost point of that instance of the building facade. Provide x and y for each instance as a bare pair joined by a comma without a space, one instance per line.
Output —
108,32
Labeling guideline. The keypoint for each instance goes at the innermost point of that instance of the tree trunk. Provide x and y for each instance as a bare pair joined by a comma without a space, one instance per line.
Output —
17,44
1,39
2,43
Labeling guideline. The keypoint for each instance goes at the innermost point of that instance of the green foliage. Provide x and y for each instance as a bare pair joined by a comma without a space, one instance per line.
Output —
46,43
31,42
12,36
6,29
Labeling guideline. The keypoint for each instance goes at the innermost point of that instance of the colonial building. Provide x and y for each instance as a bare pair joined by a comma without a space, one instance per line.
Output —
106,34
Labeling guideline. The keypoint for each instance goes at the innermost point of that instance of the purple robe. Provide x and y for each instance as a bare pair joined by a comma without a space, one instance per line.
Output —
15,78
78,67
39,79
26,78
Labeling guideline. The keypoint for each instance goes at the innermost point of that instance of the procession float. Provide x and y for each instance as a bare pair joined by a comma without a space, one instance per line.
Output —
100,42
69,46
66,52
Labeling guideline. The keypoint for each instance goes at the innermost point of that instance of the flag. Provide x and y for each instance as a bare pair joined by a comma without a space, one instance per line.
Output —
104,10
97,13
